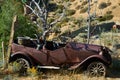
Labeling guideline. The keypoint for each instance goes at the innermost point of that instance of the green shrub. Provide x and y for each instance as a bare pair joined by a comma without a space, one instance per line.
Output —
66,0
8,10
50,20
84,2
25,27
72,19
78,7
56,29
109,12
108,16
70,12
65,19
102,5
119,4
58,25
109,3
73,25
60,9
101,19
105,17
78,21
60,6
52,7
113,7
83,10
72,0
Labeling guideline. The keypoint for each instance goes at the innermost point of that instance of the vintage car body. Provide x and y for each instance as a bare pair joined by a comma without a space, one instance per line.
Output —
70,55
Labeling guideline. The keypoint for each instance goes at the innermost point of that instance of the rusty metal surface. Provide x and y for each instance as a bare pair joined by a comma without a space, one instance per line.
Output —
71,53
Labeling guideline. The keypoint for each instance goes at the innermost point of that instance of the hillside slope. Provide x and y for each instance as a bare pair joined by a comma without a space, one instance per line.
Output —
75,22
113,5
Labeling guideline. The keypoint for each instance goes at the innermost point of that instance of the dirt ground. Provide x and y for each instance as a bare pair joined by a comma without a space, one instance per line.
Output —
53,76
112,74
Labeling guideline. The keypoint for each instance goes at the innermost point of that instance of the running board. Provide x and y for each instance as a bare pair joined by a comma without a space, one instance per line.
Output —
49,67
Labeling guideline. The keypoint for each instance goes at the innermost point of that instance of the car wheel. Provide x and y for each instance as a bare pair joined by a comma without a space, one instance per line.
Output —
96,69
22,65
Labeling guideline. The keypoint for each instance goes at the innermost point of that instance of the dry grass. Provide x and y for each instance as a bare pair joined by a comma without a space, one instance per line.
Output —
57,75
113,74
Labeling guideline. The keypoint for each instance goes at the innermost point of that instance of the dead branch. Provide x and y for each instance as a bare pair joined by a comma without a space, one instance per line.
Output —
59,19
3,52
11,40
42,13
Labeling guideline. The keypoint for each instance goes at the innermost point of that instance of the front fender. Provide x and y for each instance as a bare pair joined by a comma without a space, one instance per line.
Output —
16,55
89,60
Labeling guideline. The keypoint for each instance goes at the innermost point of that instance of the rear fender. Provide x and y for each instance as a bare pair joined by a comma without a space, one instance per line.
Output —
88,60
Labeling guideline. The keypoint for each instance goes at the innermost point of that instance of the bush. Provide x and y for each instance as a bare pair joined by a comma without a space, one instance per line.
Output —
52,7
83,10
56,30
58,25
72,0
60,9
102,5
108,16
105,17
24,27
66,0
84,3
78,21
79,7
50,20
109,12
109,3
113,7
8,10
60,6
70,12
72,19
119,4
65,19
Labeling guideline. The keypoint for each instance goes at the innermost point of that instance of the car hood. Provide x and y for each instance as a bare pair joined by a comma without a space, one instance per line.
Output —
79,46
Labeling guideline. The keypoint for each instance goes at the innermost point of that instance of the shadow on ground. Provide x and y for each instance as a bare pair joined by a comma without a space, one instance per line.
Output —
114,71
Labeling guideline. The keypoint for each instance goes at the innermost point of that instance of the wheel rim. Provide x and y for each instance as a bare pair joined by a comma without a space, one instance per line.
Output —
24,64
96,69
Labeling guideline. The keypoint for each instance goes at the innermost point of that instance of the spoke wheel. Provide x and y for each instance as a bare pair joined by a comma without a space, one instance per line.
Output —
23,65
96,69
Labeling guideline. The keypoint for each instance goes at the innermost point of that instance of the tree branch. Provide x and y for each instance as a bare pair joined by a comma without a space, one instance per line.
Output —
39,8
59,19
37,14
38,2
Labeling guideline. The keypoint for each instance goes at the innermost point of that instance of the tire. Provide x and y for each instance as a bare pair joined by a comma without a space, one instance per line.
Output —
21,65
96,69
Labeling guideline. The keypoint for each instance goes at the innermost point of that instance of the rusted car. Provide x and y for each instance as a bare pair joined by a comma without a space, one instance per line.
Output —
52,55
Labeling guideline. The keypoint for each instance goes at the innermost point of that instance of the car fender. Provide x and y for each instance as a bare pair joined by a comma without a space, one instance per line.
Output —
98,57
20,54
